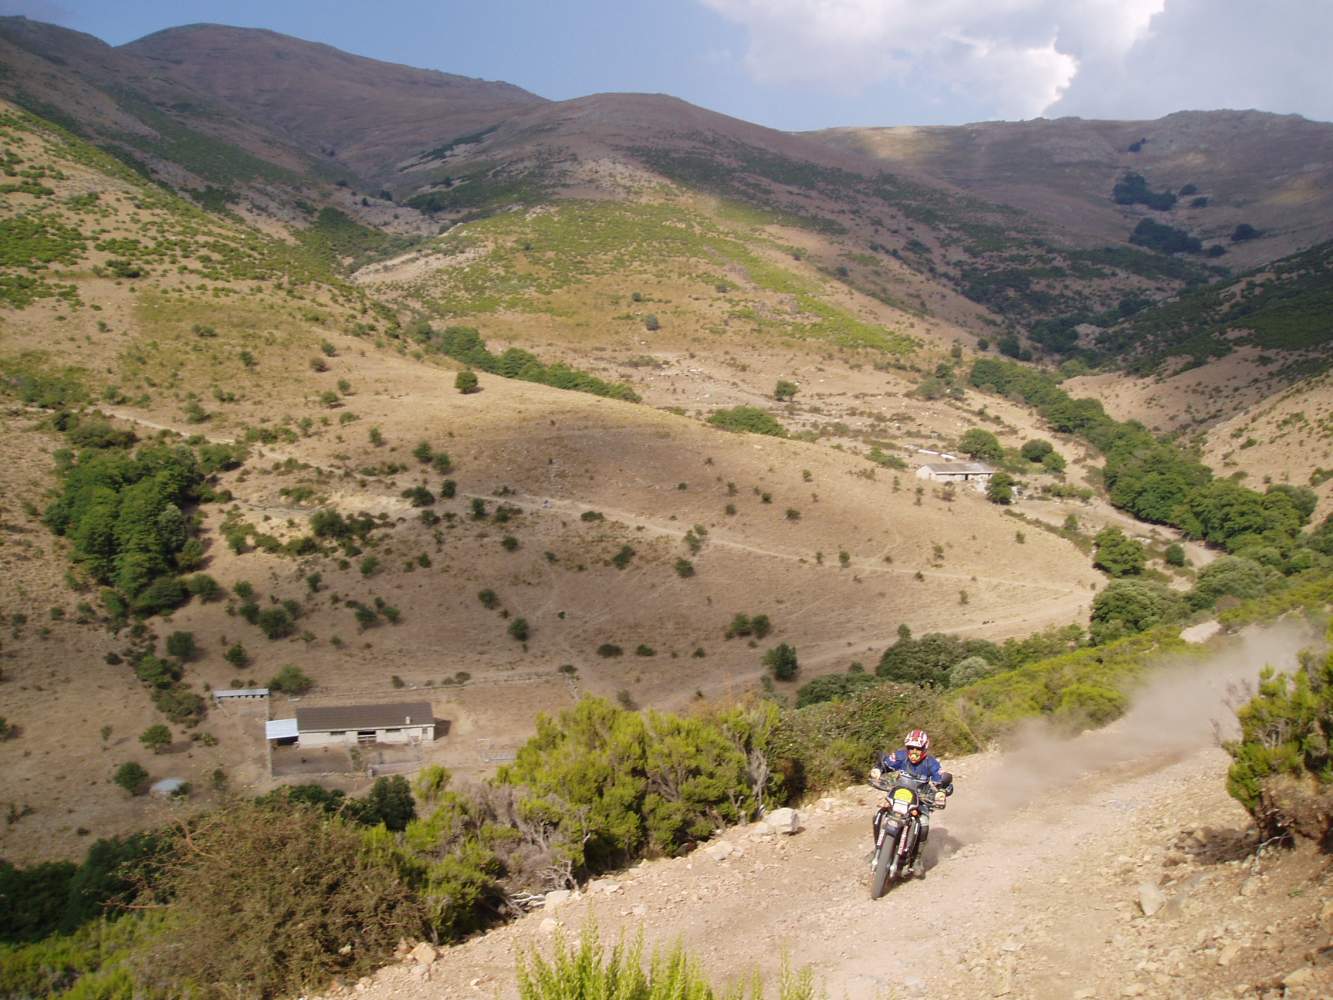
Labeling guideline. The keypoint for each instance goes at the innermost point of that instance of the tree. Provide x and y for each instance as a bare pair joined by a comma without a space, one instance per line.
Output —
781,662
389,802
518,629
1000,489
1036,449
1233,575
1174,555
1126,607
981,444
466,381
182,646
156,738
784,390
131,777
291,679
928,660
276,622
1118,554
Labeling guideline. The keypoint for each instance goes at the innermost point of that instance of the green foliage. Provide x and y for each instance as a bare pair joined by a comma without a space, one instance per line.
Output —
1283,761
1162,238
781,662
276,622
1230,575
131,777
930,659
1132,189
1000,489
237,656
466,345
1174,554
622,558
981,444
291,679
832,687
747,420
610,783
276,899
518,629
749,625
785,391
1037,449
1126,607
156,738
1117,554
390,802
587,972
466,381
123,517
341,243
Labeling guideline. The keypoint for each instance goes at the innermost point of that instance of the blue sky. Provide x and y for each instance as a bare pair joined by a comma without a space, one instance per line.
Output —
801,64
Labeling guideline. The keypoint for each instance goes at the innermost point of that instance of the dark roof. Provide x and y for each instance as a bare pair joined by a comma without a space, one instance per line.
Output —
385,716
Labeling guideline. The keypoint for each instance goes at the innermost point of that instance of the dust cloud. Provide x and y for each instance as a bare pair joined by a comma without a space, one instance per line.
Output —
1186,708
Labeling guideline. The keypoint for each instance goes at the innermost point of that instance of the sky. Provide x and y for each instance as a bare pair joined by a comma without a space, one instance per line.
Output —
806,64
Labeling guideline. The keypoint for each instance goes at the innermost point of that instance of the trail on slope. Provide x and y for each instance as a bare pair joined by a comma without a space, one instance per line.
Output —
1017,866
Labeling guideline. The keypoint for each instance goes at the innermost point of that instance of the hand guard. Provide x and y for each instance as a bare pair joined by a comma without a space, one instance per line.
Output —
875,773
940,799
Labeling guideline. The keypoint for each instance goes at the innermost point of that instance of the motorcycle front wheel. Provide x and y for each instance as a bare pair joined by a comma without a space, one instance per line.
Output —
879,881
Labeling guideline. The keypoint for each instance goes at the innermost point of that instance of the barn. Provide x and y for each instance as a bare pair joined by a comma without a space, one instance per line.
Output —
976,473
341,725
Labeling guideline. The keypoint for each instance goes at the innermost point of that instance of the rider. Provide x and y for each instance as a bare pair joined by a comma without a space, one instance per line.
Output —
914,759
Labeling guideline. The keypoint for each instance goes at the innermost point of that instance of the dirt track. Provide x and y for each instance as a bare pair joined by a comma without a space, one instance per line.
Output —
1032,891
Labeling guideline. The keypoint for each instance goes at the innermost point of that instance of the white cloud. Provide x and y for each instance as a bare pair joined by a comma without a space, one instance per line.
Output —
1020,58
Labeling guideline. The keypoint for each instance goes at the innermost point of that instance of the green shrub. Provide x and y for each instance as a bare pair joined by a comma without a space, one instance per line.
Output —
291,679
1117,554
748,420
609,650
1000,489
781,662
622,558
1174,555
784,391
684,568
276,622
518,629
131,777
156,738
981,445
182,646
1127,607
1083,706
237,656
1282,764
1231,575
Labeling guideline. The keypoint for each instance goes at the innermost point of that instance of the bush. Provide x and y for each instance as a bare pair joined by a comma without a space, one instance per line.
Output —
518,629
1000,489
784,391
1229,575
651,323
276,622
1174,555
1283,761
1084,706
204,587
1037,449
291,679
156,738
237,656
131,777
981,445
1163,238
747,420
466,382
684,568
609,650
930,659
622,558
1126,607
182,646
1117,554
781,662
832,687
277,899
1244,232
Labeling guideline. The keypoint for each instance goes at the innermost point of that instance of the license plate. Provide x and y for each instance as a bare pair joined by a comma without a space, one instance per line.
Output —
900,807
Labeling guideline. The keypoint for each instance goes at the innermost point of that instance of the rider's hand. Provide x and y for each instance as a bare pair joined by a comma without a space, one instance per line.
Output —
875,773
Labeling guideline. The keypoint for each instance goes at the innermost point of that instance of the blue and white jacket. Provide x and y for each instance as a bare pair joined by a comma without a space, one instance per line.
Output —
929,767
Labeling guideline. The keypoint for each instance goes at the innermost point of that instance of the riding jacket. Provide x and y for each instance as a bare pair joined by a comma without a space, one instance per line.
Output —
929,767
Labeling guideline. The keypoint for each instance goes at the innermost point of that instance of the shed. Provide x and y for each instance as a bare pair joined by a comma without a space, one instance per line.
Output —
280,729
391,722
222,695
978,473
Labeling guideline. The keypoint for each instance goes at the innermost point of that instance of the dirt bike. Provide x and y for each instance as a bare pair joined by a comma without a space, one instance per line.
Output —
898,825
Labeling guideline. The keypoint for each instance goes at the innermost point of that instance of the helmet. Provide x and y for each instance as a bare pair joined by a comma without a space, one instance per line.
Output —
917,739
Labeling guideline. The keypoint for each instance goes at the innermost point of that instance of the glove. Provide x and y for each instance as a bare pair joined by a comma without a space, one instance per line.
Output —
875,773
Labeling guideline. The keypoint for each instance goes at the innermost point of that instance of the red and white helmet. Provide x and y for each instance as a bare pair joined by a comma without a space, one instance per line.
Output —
917,739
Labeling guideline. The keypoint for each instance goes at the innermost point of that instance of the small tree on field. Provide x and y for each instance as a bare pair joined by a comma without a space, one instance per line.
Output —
131,777
518,629
1000,489
1036,449
981,444
291,679
466,381
182,645
1117,554
784,390
156,738
781,662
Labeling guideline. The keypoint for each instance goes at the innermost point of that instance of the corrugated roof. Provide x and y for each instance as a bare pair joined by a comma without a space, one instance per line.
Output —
280,729
960,468
222,694
340,717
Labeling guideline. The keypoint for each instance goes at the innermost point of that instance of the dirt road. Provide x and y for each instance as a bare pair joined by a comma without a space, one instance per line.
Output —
1033,890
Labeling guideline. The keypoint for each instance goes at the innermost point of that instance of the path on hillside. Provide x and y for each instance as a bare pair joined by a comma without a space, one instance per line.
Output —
1033,889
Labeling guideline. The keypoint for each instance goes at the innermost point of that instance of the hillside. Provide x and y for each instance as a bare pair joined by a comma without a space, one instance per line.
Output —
367,383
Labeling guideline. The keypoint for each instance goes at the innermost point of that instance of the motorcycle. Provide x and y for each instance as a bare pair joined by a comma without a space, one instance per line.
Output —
898,824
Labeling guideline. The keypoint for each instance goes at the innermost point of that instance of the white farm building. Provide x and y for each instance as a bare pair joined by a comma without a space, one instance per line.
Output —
976,473
340,725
